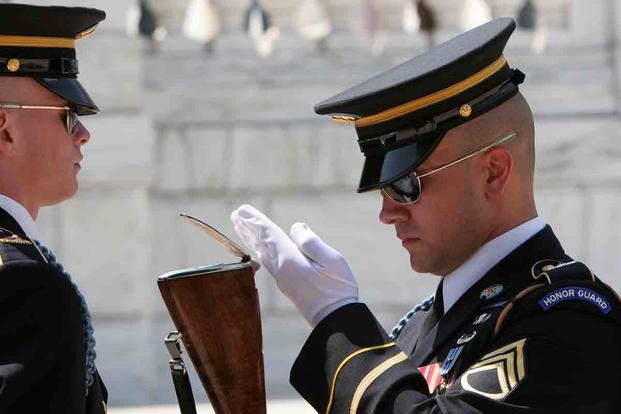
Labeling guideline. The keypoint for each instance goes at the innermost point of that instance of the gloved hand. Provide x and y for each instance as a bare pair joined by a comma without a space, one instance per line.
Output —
314,276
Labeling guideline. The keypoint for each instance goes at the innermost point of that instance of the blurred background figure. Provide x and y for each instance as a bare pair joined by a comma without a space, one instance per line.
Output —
529,20
474,13
202,23
527,16
260,28
365,21
313,22
142,21
418,17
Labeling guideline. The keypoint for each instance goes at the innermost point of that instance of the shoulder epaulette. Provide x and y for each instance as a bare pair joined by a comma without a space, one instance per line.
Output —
14,247
554,271
562,283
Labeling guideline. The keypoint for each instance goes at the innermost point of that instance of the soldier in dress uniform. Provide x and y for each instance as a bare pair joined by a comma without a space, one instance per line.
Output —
515,325
47,355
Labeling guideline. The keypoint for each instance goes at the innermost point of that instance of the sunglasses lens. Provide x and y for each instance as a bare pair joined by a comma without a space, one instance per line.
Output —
404,190
71,120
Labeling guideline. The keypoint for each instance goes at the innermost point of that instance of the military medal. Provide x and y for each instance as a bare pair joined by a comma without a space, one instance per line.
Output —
450,360
491,292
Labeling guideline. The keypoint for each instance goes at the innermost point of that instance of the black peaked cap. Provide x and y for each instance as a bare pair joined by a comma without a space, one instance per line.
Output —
39,42
402,114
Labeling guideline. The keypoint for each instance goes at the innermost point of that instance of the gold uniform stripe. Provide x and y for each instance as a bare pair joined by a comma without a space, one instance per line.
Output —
507,363
519,345
346,360
37,41
372,376
434,98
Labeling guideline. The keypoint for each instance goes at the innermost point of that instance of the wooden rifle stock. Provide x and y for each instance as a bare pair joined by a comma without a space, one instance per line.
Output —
216,309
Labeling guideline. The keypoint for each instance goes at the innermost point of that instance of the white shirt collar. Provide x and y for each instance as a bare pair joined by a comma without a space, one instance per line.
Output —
21,215
465,276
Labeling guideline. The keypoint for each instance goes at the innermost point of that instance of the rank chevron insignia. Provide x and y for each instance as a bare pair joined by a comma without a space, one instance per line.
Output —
496,374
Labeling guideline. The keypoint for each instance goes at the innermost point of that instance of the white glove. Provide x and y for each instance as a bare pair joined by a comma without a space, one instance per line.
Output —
314,276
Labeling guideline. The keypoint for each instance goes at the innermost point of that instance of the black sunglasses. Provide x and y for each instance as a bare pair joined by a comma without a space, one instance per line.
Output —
407,189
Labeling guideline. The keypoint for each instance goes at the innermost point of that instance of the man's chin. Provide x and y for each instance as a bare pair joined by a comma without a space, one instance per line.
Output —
419,266
60,197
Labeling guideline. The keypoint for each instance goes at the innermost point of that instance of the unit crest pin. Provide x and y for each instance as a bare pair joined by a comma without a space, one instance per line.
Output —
482,318
491,292
466,337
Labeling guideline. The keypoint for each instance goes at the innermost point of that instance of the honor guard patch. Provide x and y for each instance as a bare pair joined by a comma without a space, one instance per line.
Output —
575,293
497,373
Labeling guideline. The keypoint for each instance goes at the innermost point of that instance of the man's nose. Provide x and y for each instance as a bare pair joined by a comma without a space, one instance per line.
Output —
392,212
82,135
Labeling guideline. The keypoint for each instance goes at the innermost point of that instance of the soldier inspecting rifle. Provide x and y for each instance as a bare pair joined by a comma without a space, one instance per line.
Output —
515,325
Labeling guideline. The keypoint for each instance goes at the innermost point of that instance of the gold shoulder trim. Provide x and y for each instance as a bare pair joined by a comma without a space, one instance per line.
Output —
434,98
372,376
345,361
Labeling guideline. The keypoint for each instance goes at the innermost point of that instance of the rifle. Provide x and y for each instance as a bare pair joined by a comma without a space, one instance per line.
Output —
216,311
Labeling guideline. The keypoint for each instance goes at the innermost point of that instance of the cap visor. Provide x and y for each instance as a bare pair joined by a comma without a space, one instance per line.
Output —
383,168
73,92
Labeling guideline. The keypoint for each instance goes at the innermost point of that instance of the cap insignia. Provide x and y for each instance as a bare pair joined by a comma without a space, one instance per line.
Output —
13,65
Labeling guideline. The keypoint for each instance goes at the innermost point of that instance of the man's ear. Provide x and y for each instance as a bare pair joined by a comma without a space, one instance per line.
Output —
7,144
499,167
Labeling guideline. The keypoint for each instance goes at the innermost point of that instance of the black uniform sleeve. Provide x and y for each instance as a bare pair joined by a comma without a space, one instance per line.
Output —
41,340
562,360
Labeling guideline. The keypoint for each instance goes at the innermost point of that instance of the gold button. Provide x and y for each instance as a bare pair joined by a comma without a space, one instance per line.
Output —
465,111
12,65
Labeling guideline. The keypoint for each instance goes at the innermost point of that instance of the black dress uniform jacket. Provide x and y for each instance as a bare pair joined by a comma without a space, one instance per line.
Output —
538,333
42,353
